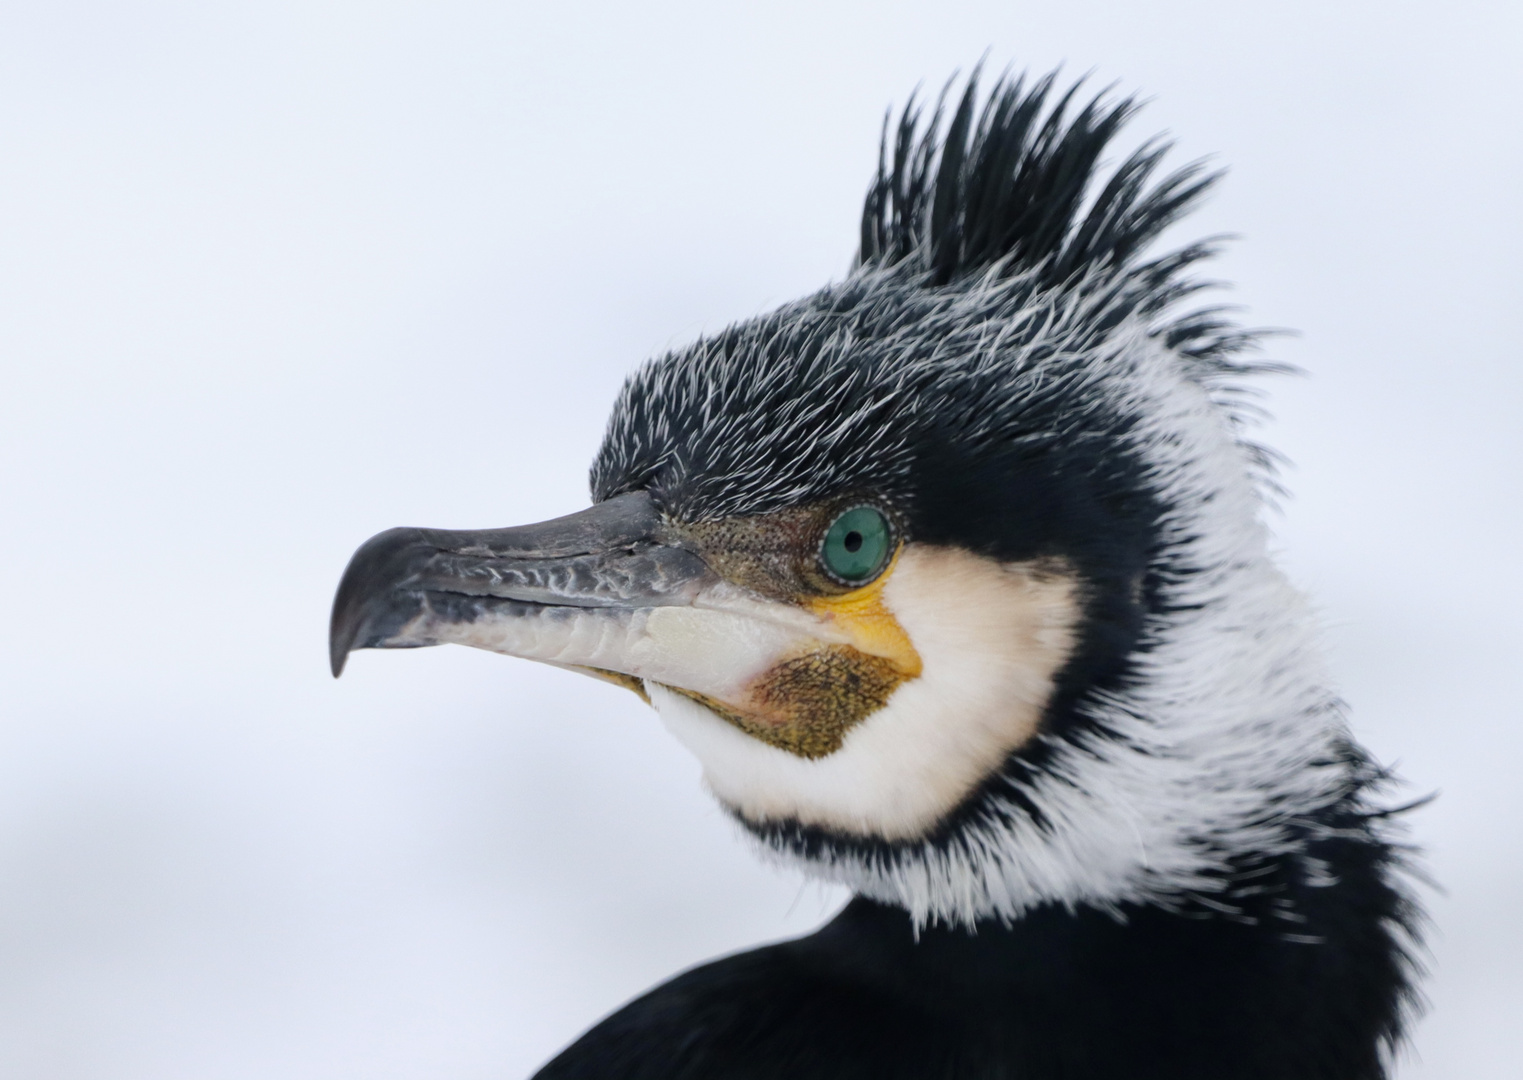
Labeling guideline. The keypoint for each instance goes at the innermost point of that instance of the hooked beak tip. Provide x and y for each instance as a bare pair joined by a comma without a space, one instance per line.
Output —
364,598
350,621
341,634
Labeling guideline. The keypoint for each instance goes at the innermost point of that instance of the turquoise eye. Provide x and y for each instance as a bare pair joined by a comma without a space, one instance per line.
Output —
856,546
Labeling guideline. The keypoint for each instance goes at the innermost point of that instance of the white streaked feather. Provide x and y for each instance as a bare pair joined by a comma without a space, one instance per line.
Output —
1232,736
1229,737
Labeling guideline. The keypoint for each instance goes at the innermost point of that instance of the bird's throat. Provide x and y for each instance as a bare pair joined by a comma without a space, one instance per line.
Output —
808,704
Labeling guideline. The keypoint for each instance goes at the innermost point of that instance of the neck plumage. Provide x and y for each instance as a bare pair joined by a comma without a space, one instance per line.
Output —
1303,974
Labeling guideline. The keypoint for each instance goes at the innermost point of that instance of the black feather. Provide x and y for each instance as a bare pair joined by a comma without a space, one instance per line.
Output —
1011,191
1058,995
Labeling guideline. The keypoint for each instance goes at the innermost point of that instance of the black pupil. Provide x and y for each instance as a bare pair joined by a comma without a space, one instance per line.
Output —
853,541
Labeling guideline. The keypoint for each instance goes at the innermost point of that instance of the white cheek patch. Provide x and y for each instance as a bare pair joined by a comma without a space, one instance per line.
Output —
992,638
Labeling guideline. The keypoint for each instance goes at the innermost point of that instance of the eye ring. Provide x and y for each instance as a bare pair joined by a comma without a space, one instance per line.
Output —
857,545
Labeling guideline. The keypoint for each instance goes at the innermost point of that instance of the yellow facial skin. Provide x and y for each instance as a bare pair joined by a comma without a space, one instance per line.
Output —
863,616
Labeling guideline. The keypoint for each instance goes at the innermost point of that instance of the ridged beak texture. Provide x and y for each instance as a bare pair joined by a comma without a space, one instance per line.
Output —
616,591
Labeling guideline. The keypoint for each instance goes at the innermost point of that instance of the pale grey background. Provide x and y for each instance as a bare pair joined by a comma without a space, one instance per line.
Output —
274,276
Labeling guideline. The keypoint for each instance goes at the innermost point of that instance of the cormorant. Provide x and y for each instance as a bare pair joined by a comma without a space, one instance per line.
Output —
953,577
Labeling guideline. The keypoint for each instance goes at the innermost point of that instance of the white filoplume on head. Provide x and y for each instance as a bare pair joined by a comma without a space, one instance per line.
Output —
1224,744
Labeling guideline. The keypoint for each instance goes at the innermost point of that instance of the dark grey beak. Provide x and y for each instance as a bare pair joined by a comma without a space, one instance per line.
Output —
406,588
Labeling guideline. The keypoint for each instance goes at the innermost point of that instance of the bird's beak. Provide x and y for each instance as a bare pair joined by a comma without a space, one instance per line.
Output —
612,591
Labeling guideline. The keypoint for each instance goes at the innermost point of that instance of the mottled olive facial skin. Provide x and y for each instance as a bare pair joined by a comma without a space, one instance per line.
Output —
813,701
780,555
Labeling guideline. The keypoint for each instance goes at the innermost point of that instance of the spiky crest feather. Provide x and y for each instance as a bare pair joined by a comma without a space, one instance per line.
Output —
988,225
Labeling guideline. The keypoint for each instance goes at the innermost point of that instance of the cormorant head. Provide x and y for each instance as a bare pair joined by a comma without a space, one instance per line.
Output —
950,574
